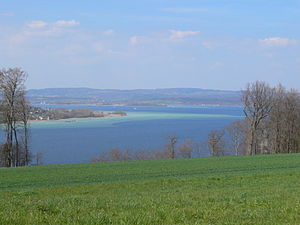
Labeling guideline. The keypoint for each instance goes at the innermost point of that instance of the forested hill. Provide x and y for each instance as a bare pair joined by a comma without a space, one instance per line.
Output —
183,96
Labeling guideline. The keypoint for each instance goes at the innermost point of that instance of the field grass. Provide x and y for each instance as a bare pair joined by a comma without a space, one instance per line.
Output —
225,190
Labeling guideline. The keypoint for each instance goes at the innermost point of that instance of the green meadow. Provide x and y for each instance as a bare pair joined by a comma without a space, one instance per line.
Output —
261,189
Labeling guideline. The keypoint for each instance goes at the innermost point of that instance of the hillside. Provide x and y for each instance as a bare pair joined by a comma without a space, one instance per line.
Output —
225,190
186,96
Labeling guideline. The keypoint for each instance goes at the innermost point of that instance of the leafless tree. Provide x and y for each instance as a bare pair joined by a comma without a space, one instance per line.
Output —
200,148
100,158
290,126
159,154
117,154
172,140
39,158
216,143
238,132
258,103
276,121
24,117
292,105
281,129
13,108
185,149
3,155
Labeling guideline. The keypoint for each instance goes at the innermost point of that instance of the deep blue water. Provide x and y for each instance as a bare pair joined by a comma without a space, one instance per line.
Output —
78,144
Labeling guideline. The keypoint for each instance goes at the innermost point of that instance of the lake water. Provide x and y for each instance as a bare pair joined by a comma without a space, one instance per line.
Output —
79,140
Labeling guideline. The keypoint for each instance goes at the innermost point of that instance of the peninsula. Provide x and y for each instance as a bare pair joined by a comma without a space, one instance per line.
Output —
40,114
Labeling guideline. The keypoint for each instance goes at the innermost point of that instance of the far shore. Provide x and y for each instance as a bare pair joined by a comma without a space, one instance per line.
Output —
68,120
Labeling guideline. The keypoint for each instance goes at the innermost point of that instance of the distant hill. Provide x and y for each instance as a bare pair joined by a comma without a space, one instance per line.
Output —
181,96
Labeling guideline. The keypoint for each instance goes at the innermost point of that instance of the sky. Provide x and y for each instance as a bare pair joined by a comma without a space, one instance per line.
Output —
134,44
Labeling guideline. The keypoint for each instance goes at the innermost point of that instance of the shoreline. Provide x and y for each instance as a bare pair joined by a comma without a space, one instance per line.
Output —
73,119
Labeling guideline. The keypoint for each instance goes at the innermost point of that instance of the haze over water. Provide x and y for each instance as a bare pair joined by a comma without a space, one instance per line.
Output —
79,140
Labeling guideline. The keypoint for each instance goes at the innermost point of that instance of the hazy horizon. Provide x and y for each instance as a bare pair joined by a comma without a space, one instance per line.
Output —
151,44
131,89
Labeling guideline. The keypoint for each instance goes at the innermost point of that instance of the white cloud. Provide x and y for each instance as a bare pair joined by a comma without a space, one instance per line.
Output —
46,29
135,40
179,35
275,42
108,32
39,28
171,35
66,23
37,24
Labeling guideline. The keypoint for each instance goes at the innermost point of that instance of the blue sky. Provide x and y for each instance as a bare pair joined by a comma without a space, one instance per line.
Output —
215,44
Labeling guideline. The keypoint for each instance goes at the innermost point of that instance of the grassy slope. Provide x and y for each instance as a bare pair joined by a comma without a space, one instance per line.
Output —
225,190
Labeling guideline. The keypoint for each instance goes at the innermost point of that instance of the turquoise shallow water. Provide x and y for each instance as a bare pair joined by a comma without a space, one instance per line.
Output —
79,140
131,116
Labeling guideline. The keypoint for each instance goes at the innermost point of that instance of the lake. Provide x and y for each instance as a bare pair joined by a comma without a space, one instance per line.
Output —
144,127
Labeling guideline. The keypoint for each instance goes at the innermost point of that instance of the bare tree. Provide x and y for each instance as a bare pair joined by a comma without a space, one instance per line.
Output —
258,102
200,148
117,154
216,143
24,117
39,158
172,140
238,132
281,129
293,121
3,155
291,126
185,149
102,157
276,121
13,104
140,155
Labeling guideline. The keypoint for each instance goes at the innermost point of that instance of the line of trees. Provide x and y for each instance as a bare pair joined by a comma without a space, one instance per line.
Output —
172,150
14,150
271,124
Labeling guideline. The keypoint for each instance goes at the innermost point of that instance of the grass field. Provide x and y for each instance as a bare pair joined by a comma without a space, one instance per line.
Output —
226,190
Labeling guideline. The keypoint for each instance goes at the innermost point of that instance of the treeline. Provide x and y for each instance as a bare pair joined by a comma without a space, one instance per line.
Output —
14,108
172,150
271,124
